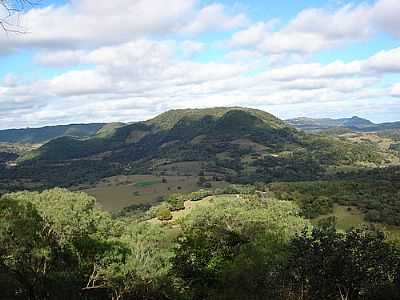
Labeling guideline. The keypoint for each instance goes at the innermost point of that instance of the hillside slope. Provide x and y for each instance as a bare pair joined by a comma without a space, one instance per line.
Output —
232,143
354,124
44,134
311,124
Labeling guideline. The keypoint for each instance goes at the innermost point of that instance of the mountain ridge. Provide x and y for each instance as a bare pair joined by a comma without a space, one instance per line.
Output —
43,134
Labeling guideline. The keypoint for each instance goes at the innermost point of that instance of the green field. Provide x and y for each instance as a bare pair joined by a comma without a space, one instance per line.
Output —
115,193
348,217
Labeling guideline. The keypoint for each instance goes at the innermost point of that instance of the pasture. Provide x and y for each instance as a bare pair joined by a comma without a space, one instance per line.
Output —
118,192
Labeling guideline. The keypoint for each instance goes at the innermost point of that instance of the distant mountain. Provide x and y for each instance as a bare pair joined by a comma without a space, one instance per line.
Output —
310,124
383,126
44,134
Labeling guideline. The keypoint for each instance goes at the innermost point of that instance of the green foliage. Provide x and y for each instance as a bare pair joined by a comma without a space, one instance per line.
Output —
226,242
57,245
56,241
176,202
164,213
199,195
147,183
330,265
44,134
378,199
139,269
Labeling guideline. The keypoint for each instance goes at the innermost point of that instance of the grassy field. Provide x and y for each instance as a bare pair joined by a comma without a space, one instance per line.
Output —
348,217
115,193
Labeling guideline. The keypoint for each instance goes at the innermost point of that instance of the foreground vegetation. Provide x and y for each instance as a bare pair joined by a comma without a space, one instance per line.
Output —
57,245
379,200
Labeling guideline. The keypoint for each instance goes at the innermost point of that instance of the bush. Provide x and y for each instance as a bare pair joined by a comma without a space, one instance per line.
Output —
164,214
176,202
199,195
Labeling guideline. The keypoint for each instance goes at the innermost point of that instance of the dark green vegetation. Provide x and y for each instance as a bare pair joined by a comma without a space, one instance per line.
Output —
233,144
44,134
179,230
57,245
11,152
379,200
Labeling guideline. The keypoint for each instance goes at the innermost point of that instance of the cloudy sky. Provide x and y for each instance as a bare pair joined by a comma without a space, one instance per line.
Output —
128,60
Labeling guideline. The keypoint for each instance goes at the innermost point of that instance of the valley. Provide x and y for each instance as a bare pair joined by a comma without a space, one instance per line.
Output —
197,193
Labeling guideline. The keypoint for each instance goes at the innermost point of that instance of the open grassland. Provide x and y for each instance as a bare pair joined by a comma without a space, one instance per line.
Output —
348,217
118,192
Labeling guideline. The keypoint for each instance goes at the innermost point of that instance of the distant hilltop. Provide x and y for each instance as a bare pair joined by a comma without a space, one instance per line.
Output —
354,123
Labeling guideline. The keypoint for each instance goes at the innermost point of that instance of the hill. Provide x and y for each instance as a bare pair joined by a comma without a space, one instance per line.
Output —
44,134
310,124
355,124
230,143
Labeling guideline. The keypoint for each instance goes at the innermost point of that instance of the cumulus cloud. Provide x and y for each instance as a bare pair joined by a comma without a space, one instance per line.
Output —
385,14
310,31
385,61
317,29
140,60
136,80
82,24
214,17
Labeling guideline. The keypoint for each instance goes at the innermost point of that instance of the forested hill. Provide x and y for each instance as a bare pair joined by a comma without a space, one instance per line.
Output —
326,123
44,134
234,143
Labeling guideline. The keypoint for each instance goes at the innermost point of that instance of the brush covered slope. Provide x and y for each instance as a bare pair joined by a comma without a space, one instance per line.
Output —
237,144
45,134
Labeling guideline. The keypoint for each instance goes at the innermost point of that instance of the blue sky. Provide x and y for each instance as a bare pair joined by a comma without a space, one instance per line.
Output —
126,60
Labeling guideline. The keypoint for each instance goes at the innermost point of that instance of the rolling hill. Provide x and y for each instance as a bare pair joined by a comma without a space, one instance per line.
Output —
355,124
231,143
310,124
44,134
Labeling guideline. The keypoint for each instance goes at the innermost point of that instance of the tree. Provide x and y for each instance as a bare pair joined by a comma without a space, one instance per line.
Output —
234,249
8,11
330,265
51,242
139,268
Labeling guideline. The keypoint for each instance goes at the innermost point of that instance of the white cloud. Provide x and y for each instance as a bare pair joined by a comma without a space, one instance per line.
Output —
395,90
385,61
136,80
385,14
317,29
139,61
310,31
252,35
214,17
81,24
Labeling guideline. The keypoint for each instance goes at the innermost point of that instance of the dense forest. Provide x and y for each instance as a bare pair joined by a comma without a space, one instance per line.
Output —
57,245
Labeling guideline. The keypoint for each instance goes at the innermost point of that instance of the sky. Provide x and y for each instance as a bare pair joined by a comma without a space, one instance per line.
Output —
82,61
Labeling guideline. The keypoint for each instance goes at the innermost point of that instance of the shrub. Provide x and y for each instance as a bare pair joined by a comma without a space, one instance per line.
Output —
164,214
176,202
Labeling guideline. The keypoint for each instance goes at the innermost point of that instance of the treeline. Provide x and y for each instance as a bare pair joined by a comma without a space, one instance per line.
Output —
378,199
57,245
